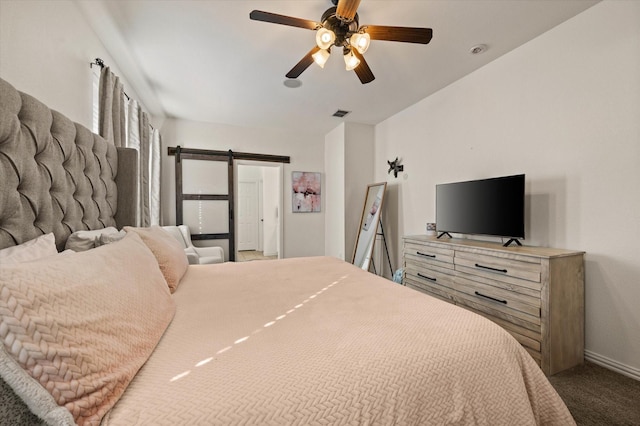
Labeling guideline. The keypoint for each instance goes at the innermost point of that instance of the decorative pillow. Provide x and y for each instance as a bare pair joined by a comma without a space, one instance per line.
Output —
74,330
105,239
168,252
38,248
86,240
54,256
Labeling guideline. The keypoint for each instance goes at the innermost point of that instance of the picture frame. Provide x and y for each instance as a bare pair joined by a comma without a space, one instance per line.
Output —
306,192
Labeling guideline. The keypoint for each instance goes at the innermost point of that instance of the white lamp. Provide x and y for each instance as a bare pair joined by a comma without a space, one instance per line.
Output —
360,41
325,38
320,57
351,61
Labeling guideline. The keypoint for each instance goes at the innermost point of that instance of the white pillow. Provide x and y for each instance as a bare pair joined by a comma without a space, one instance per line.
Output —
86,240
38,248
109,238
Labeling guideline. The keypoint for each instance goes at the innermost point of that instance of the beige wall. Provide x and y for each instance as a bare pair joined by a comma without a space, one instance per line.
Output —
349,150
565,110
45,50
334,163
49,58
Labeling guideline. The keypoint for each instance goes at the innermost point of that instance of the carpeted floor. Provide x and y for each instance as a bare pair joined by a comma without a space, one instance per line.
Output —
598,396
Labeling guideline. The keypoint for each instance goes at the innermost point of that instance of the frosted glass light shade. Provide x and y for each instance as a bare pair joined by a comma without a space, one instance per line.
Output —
351,61
325,38
320,57
360,41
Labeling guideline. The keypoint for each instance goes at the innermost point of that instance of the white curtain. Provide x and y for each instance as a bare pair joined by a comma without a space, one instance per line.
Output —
133,130
111,108
154,178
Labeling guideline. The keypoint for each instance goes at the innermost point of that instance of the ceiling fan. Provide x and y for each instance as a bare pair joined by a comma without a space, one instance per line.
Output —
339,26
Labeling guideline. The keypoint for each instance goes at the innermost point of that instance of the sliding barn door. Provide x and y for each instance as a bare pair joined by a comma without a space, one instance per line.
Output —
204,198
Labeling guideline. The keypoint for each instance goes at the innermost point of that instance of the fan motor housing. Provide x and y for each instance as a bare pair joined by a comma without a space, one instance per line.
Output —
341,29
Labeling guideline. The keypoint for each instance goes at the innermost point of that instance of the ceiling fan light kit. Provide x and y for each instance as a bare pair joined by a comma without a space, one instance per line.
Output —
325,38
360,41
350,60
340,27
321,57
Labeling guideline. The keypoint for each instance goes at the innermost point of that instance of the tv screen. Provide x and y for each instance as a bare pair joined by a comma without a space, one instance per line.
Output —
489,207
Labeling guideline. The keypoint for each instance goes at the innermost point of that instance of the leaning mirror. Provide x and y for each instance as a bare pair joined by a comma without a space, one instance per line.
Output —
368,225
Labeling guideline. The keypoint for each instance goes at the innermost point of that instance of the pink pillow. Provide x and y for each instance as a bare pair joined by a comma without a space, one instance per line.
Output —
168,252
76,329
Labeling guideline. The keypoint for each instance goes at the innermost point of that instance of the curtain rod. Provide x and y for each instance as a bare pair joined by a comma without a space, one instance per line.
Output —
99,62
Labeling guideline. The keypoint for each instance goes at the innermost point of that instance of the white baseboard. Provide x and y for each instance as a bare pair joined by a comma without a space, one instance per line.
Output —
611,364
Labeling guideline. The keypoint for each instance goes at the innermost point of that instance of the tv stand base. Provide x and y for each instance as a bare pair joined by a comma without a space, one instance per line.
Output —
512,240
445,233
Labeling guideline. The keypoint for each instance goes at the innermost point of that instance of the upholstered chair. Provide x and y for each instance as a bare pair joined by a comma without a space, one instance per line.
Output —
196,255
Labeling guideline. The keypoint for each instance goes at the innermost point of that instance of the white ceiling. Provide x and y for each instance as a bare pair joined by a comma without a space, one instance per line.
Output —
205,60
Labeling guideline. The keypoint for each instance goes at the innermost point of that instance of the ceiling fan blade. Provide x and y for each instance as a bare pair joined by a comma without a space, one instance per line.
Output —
259,15
363,71
347,9
404,34
303,64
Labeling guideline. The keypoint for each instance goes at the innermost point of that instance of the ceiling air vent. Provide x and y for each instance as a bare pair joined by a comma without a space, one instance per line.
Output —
340,113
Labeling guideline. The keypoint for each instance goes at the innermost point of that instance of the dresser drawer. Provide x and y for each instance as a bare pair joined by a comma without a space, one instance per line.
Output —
488,307
527,337
493,302
431,290
499,299
427,253
512,271
429,275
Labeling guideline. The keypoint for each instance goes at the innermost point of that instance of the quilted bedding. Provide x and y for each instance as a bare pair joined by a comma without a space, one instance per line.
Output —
319,341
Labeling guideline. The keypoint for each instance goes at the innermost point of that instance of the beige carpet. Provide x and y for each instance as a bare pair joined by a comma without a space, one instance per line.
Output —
599,397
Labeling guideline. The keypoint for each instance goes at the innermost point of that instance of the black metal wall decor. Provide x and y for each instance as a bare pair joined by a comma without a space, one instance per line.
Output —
395,166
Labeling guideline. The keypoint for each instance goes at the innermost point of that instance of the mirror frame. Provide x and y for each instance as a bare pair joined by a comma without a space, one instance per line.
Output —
369,224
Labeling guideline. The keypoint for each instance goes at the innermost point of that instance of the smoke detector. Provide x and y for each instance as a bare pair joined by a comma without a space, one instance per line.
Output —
478,49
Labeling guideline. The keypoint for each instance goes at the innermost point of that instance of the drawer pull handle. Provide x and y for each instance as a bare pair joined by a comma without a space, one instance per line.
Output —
433,256
426,277
504,271
490,298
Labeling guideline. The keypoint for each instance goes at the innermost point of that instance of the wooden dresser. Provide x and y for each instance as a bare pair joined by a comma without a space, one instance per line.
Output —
535,293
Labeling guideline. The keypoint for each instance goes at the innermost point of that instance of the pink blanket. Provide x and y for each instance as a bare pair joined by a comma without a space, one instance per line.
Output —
319,341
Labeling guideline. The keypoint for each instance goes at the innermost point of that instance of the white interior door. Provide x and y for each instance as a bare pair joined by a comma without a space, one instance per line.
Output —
248,216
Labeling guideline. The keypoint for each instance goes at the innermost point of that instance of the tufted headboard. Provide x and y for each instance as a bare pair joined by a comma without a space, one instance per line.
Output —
56,176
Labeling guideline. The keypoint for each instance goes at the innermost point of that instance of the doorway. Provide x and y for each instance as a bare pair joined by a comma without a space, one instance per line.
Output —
272,170
258,210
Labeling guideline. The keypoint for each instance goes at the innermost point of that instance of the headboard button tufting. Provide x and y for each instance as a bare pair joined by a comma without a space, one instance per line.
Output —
58,168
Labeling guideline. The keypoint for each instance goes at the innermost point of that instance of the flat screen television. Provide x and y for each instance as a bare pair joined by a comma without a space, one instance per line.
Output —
484,207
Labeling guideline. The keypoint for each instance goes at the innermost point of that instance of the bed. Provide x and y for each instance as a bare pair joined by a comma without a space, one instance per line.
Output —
127,333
